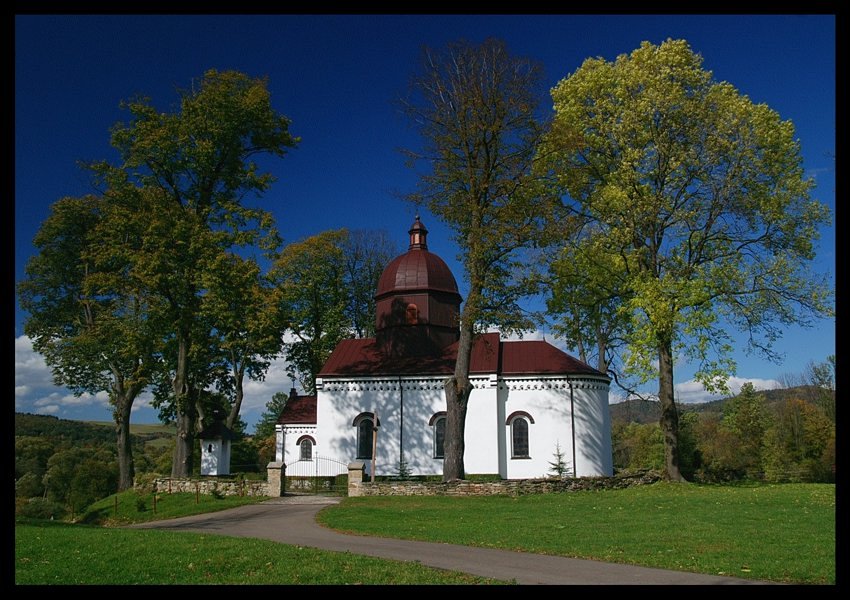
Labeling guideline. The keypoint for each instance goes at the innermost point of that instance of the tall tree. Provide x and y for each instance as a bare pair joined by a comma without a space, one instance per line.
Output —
243,307
367,253
310,277
801,444
266,425
475,108
821,376
580,293
86,316
194,166
746,417
700,195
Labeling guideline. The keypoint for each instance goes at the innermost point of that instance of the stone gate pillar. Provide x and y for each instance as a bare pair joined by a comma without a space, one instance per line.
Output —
355,477
276,478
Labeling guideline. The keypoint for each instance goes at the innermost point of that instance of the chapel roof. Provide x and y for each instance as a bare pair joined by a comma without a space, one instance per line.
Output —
299,410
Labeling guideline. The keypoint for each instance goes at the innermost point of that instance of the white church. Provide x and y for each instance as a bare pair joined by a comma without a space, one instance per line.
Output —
529,401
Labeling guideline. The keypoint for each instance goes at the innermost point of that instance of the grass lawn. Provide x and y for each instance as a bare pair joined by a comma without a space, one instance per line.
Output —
139,508
783,533
48,552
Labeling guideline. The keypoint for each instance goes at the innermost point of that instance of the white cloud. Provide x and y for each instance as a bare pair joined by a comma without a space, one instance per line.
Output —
615,396
693,392
30,368
258,393
143,401
101,398
735,383
36,392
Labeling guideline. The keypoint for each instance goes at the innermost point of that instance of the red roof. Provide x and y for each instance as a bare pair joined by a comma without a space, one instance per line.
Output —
417,269
300,409
362,357
538,356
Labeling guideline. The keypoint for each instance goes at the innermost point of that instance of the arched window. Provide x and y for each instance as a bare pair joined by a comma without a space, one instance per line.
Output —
306,449
364,425
518,423
438,422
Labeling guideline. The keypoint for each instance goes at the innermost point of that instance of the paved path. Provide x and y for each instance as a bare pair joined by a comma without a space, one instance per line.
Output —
291,520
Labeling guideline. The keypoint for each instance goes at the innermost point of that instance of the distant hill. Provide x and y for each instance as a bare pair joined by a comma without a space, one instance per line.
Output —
649,411
27,424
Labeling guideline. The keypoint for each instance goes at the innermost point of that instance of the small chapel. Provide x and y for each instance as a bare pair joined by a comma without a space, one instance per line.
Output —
533,406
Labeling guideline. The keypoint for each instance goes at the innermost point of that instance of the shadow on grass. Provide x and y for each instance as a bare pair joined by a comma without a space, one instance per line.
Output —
95,517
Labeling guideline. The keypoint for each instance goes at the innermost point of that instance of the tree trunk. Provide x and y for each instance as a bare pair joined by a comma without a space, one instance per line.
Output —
238,376
181,465
602,349
126,467
184,446
669,415
457,400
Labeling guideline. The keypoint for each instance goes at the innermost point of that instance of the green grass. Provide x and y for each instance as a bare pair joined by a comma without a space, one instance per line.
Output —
168,506
783,533
49,552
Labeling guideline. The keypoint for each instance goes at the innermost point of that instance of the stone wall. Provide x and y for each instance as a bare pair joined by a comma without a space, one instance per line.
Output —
225,487
508,487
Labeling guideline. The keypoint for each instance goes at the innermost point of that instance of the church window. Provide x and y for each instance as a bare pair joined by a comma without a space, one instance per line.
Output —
519,437
518,423
306,449
364,425
440,438
438,424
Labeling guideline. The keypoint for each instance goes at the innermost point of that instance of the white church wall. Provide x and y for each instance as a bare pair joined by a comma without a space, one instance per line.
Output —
549,408
423,398
547,401
488,437
593,429
418,400
340,402
481,434
288,439
501,438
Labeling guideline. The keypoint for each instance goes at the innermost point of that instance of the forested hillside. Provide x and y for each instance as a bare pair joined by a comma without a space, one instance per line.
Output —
62,465
776,435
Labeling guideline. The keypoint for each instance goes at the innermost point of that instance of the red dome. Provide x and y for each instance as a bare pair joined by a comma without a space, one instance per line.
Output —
417,269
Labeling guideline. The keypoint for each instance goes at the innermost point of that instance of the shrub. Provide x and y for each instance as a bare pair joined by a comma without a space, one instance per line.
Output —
29,486
39,508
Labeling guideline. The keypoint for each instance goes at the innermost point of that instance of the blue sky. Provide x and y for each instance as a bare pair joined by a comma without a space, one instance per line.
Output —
336,78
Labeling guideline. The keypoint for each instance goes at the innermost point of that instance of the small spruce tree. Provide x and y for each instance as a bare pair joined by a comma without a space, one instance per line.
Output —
559,467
